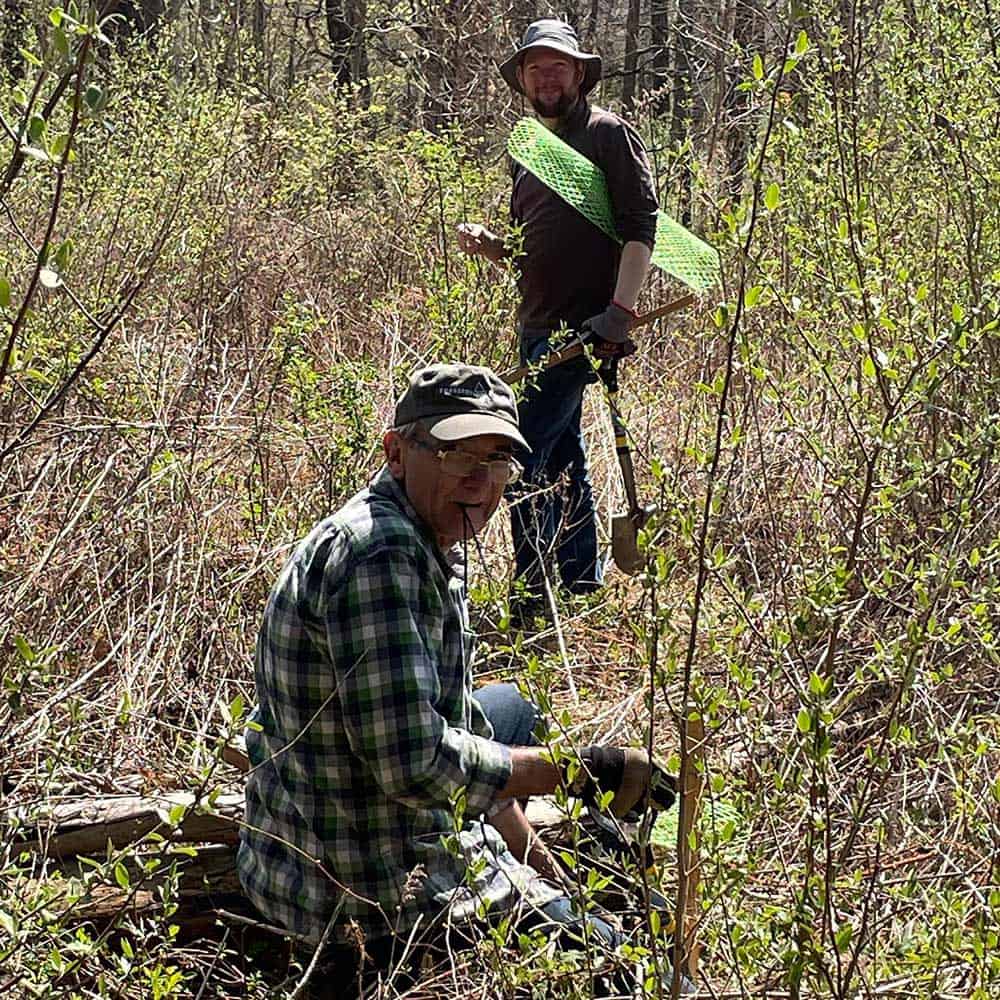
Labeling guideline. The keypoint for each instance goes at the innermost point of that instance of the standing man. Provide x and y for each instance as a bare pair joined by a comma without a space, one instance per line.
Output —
382,803
570,276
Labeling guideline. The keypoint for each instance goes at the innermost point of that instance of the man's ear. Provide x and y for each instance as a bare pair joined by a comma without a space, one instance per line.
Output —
393,446
580,71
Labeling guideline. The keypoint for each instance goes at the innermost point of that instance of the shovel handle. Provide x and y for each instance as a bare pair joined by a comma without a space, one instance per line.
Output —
574,350
623,451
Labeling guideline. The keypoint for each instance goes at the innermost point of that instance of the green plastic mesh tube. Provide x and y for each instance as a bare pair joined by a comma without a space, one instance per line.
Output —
581,184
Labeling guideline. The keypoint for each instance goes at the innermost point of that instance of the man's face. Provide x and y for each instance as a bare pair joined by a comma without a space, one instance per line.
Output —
550,80
442,500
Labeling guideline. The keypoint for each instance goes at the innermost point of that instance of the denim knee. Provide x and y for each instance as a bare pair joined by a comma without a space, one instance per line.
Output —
515,720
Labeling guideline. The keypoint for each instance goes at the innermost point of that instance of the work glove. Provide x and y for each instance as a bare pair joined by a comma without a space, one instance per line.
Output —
635,781
608,333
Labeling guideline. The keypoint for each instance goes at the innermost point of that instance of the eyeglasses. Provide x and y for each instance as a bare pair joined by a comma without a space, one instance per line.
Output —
500,468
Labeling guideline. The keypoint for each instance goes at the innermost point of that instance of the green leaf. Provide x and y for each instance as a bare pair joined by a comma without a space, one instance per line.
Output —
4,293
63,253
752,296
771,197
801,43
58,146
93,97
803,720
61,42
36,127
30,57
56,16
121,877
868,367
24,650
758,67
817,684
842,938
957,313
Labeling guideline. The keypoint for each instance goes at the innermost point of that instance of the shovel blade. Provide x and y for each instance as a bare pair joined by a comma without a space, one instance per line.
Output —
625,544
625,540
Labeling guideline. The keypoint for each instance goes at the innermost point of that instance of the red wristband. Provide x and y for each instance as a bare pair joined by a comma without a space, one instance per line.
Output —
631,312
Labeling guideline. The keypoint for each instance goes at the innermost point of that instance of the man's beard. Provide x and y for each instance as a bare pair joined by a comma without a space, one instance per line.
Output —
554,109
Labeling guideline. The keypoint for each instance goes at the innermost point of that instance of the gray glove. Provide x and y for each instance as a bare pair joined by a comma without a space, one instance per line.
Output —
608,333
611,325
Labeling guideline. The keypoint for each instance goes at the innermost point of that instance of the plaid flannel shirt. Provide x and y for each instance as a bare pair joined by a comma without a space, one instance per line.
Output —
368,734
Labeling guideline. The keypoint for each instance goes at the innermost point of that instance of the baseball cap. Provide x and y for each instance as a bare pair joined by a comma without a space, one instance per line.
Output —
457,401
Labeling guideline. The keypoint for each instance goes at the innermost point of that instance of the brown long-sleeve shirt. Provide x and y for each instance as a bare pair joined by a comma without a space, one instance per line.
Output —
569,267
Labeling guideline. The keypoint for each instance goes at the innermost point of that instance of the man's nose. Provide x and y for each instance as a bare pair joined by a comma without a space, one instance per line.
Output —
478,475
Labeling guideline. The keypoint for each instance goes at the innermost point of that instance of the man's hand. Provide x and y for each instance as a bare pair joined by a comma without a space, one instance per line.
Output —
626,773
480,242
608,333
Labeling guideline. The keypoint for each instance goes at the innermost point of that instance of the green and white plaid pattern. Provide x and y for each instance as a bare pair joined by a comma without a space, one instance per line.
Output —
368,733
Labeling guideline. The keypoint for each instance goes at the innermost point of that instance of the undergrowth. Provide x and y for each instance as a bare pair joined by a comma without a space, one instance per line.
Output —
209,300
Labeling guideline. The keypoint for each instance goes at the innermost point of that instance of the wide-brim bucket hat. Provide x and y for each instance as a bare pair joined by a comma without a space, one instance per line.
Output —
551,33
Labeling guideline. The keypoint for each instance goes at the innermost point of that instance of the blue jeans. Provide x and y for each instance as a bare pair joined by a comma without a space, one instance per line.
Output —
548,523
514,719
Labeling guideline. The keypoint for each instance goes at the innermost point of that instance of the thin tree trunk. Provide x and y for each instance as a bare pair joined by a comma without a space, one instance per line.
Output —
359,50
14,24
683,113
631,59
338,31
748,40
659,16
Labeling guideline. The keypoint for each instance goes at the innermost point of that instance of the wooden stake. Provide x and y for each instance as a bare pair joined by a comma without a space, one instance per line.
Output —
693,788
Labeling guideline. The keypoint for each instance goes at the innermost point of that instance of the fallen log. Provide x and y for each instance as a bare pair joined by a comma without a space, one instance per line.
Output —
87,826
201,886
202,880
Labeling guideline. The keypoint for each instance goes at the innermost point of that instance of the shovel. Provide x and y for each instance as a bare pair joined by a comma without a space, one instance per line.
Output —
576,348
624,527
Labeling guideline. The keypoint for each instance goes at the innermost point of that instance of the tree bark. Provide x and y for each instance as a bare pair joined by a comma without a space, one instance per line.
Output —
85,827
748,40
338,31
659,16
629,83
14,24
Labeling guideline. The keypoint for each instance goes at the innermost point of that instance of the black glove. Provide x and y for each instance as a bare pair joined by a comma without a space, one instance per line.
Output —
626,773
608,332
662,788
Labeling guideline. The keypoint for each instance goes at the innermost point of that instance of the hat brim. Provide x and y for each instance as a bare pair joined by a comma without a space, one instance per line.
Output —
465,425
591,65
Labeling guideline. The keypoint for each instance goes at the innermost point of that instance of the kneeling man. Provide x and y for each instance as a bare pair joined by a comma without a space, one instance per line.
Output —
383,795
